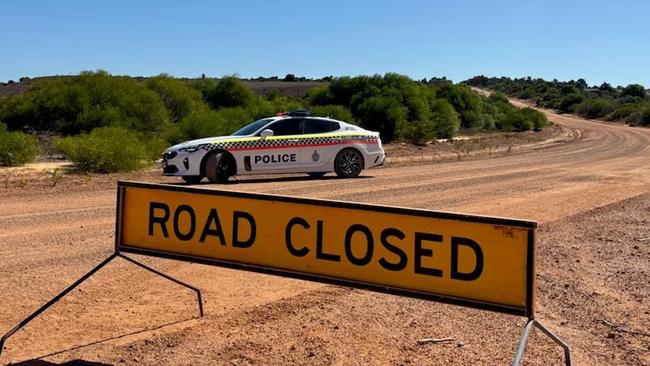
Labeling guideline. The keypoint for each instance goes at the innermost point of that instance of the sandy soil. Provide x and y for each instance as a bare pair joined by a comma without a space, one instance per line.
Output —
590,192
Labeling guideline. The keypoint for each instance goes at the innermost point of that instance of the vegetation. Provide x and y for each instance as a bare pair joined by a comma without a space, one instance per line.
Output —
109,149
630,104
16,148
111,123
399,107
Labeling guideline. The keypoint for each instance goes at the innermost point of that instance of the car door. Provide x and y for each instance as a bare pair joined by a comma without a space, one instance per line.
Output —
326,146
278,153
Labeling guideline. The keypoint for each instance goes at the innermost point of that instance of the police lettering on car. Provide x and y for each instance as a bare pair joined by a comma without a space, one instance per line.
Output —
276,158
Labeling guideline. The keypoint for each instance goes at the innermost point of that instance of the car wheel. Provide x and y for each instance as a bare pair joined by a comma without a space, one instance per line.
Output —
192,179
348,163
217,168
316,174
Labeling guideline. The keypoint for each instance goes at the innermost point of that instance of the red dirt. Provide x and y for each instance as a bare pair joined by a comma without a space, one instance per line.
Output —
590,193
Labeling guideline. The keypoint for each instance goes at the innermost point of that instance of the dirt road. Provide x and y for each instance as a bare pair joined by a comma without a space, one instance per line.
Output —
49,237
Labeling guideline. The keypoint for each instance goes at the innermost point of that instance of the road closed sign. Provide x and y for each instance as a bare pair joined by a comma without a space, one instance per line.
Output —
478,261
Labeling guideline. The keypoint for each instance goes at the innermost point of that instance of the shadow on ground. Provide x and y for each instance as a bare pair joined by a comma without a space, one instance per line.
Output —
269,180
67,363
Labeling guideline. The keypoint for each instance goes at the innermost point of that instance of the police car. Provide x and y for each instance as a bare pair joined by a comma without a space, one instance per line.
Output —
294,142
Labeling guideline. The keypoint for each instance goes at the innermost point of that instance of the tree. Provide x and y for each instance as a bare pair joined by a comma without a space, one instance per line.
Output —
230,92
290,77
581,84
633,90
445,119
177,96
382,114
606,87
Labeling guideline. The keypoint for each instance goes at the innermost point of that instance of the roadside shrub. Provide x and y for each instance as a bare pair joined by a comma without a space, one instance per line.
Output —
419,132
17,148
106,150
154,148
230,92
465,101
199,124
633,90
623,112
537,118
515,120
569,102
84,102
640,117
445,119
605,101
594,108
321,95
382,114
179,98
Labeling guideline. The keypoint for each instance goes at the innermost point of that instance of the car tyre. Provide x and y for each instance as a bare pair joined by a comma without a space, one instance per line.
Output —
316,174
192,179
348,163
217,168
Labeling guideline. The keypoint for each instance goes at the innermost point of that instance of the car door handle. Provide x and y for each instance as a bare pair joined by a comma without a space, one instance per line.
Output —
293,140
337,139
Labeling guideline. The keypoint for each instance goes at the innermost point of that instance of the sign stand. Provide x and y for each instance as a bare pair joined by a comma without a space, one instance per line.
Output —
106,261
144,223
524,339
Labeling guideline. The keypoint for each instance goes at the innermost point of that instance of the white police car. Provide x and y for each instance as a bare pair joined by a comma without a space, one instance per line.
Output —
293,142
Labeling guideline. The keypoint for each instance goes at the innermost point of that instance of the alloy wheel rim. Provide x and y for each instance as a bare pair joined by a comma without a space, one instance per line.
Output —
350,163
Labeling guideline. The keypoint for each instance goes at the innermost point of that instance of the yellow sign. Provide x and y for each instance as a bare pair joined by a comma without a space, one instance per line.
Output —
479,261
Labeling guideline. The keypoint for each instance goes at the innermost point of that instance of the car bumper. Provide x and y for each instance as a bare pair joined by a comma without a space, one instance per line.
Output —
375,159
180,164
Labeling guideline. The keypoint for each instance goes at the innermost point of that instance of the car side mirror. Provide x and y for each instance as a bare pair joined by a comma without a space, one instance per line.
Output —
266,133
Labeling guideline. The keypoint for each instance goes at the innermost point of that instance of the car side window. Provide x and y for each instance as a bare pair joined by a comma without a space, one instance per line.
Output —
286,127
319,126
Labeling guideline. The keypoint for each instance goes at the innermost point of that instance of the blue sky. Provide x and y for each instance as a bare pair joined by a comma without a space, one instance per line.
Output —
596,40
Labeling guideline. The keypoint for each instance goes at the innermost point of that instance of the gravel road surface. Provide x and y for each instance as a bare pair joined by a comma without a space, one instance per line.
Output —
590,194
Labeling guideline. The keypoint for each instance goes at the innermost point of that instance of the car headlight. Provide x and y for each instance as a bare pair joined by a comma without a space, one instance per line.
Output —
191,149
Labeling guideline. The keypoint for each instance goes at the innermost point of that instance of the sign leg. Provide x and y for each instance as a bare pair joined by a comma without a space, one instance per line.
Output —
144,266
548,333
53,301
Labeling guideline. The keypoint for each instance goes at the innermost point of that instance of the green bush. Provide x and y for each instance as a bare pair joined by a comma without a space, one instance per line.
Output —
569,102
179,98
465,101
84,102
196,125
339,112
524,119
154,147
641,117
383,114
419,132
445,119
537,118
230,92
621,113
633,90
594,108
613,104
107,149
17,148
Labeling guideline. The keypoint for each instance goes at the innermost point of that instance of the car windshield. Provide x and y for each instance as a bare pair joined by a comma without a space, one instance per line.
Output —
252,127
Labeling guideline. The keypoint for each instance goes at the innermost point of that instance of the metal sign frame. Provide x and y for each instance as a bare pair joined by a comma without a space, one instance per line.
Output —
122,247
529,226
